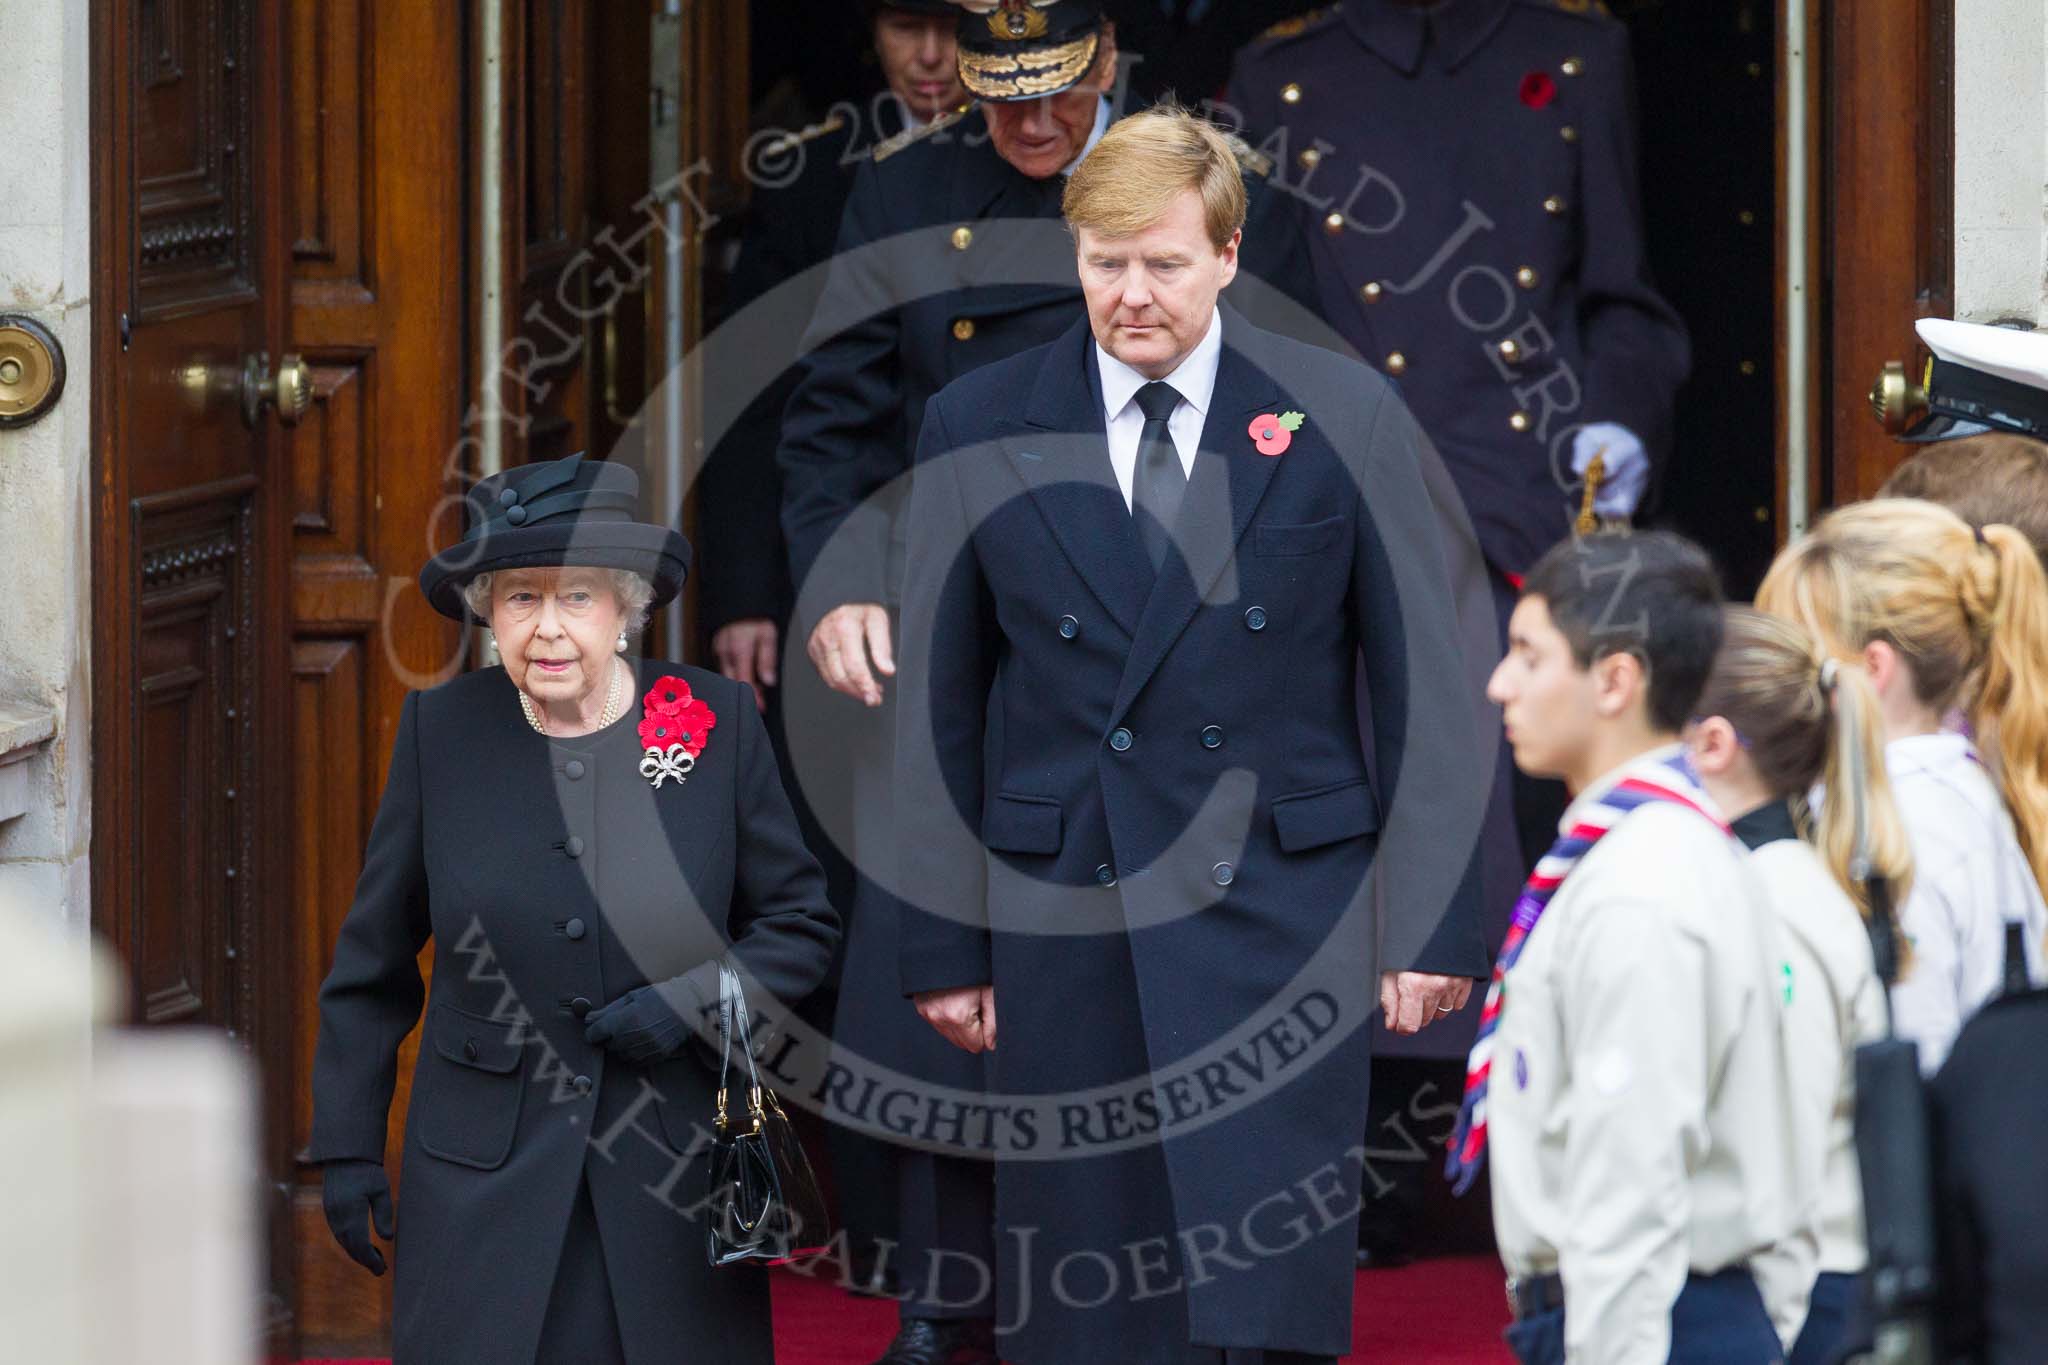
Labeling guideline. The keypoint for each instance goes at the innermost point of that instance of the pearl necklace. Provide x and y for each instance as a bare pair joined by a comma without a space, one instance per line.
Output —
614,700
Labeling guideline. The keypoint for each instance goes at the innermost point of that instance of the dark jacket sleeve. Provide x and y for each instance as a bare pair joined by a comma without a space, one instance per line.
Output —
945,670
373,993
1404,613
744,564
841,435
784,929
1275,252
1636,349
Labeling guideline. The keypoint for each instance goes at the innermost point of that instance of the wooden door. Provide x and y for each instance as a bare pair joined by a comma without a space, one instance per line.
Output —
373,219
1886,212
191,501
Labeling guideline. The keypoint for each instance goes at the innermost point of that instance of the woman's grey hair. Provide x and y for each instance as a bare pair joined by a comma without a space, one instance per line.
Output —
634,591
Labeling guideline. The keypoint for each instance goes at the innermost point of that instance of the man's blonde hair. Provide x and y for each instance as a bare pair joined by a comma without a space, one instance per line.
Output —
1144,163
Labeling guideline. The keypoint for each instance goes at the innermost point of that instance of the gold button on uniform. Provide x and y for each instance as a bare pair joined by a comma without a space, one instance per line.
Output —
1311,157
1371,292
963,329
963,237
1511,351
1568,133
1520,421
1290,93
1748,367
1572,66
1527,277
1397,363
1746,218
1334,224
1554,205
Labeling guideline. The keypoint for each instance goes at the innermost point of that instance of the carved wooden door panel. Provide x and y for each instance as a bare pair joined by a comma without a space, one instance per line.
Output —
191,785
373,222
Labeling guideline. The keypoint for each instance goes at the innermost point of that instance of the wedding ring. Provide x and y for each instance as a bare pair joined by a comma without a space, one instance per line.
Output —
1443,1009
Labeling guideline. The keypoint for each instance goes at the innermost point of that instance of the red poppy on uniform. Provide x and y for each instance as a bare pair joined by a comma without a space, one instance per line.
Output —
1538,90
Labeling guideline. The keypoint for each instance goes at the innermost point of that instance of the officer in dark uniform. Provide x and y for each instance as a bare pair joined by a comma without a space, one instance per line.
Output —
801,179
952,254
1468,174
1183,48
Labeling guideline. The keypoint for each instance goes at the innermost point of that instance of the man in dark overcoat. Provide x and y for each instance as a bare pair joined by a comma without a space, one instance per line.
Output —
1145,564
951,255
1467,175
744,597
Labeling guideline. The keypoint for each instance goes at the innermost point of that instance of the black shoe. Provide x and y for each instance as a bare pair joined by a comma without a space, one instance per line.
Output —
953,1341
1383,1258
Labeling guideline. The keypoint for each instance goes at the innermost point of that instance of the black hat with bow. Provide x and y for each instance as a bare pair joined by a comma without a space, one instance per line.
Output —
571,511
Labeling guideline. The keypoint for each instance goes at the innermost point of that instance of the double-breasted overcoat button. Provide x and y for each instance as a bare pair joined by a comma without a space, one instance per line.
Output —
574,928
574,848
1069,627
1120,739
1106,875
469,1049
579,1007
1212,737
1256,618
1224,874
573,769
582,1084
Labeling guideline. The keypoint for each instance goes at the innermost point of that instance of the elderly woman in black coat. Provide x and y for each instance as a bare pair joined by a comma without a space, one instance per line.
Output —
580,892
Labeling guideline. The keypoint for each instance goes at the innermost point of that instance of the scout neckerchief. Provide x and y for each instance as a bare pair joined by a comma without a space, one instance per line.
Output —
1670,779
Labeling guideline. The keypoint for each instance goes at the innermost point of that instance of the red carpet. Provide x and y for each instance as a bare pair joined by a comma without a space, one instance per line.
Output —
1441,1312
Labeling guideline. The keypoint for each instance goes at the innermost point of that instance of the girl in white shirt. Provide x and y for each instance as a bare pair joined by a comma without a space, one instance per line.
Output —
1776,719
1942,617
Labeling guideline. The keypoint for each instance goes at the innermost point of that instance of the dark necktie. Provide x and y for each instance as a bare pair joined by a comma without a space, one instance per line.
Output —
1158,482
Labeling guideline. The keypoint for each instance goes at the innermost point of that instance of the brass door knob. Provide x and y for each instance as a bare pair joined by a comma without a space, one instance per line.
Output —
290,390
1897,400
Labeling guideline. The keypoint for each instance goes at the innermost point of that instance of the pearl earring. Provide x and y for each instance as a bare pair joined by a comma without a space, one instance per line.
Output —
622,642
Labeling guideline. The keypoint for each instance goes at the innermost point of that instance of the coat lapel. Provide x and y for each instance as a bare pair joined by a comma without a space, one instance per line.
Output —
1062,455
1229,478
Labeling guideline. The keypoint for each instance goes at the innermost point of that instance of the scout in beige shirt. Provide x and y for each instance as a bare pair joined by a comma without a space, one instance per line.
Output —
1635,1099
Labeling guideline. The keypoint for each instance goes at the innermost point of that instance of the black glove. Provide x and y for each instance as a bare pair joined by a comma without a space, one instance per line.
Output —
346,1188
641,1026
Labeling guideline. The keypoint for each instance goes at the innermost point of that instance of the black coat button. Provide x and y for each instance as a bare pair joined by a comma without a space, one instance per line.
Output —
574,848
1106,875
469,1049
1212,737
574,928
1069,627
573,769
1224,874
579,1007
582,1084
1256,618
1120,739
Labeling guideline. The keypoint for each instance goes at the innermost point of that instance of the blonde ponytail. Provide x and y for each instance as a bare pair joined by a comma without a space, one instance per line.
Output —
2006,595
1808,719
1856,749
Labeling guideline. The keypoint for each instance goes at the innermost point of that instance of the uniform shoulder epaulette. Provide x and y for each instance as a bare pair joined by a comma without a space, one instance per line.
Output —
789,142
1583,9
889,146
1249,157
1298,25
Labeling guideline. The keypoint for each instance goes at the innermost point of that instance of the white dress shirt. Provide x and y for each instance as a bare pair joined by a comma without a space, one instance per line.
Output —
1195,380
1834,1004
1094,136
1640,1104
1969,878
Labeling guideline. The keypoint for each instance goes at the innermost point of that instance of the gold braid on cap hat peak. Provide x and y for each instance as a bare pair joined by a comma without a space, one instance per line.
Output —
1044,72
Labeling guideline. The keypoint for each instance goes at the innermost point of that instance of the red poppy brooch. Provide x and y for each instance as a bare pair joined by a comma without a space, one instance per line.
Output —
673,728
1273,432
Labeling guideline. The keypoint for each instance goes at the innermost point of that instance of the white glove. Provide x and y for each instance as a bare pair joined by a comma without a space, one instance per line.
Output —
1627,466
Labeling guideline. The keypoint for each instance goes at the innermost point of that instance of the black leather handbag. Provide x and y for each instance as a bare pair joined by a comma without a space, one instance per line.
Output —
763,1203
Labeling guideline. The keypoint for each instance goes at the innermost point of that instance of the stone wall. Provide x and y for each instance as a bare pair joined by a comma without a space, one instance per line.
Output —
45,468
2001,135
